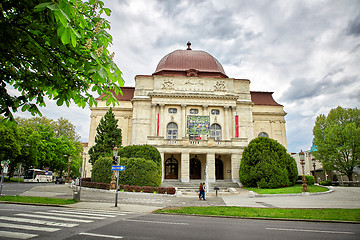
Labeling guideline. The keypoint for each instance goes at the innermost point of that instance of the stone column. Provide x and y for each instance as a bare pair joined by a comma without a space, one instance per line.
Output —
161,122
183,120
185,167
210,162
235,165
163,166
153,121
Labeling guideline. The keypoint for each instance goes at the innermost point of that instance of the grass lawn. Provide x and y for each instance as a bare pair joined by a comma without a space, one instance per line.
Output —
39,200
288,190
311,214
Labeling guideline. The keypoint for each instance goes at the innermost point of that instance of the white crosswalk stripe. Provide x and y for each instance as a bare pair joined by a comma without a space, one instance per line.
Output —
52,221
86,213
17,235
67,214
28,227
54,218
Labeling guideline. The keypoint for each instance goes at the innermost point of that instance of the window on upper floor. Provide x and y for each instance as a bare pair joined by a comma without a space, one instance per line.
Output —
171,131
215,131
215,111
263,134
194,111
172,110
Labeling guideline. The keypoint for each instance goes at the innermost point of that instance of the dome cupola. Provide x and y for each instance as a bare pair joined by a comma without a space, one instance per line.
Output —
191,63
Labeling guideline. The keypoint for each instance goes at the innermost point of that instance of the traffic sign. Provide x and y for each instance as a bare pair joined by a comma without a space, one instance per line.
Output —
118,168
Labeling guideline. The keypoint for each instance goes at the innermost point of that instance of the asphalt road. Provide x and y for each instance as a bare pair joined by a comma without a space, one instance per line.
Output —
13,188
63,223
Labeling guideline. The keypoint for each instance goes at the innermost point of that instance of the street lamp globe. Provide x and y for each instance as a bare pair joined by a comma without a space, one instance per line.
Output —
115,151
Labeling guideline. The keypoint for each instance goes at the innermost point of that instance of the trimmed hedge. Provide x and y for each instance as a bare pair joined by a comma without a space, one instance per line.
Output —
140,172
101,171
141,151
266,164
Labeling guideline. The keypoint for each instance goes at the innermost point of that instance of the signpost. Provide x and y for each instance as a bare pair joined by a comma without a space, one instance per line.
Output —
117,168
5,166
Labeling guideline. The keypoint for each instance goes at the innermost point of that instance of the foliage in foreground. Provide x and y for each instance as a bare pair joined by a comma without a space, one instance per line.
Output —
55,49
38,200
310,214
337,138
266,164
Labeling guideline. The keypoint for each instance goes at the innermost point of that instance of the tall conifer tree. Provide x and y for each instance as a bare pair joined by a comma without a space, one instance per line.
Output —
108,135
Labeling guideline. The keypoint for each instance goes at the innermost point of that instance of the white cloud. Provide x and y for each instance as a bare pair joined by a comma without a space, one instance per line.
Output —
307,52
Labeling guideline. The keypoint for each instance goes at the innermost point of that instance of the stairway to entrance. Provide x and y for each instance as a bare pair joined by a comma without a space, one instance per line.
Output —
193,185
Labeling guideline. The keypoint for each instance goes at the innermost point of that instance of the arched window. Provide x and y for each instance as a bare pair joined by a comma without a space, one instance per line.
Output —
171,131
263,134
215,131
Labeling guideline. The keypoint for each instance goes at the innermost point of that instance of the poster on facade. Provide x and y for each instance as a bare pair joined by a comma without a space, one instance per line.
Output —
198,124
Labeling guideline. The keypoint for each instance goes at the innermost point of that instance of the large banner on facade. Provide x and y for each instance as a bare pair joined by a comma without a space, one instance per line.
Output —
198,124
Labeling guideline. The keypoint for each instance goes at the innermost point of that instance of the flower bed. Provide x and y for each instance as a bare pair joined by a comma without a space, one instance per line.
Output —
128,188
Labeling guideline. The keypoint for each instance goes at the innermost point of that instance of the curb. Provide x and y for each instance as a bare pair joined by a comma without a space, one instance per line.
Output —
34,204
295,194
262,218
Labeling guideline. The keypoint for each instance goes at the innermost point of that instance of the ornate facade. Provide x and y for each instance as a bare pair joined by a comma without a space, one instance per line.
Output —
198,118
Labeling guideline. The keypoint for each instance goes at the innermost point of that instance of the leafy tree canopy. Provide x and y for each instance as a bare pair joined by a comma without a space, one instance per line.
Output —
337,138
108,135
57,49
266,164
37,148
61,127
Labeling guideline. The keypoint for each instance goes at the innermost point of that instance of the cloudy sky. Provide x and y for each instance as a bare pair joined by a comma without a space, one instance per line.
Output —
307,52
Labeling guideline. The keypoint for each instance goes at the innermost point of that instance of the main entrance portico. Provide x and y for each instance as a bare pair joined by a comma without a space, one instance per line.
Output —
188,166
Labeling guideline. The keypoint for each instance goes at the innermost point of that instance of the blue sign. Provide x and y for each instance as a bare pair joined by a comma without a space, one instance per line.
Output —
118,168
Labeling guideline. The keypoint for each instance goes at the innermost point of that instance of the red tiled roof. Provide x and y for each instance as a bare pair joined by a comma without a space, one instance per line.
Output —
263,98
128,94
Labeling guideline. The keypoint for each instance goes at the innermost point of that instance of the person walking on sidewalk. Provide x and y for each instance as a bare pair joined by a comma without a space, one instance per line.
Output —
202,191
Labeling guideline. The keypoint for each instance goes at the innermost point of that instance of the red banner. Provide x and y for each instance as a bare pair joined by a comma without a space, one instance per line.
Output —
236,126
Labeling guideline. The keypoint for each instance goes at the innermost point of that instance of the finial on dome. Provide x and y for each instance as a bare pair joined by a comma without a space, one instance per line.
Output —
188,44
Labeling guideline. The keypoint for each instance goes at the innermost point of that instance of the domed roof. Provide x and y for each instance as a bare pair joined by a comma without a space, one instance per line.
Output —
191,63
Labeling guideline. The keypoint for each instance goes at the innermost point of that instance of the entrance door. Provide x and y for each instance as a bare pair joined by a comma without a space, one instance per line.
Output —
195,168
219,169
171,168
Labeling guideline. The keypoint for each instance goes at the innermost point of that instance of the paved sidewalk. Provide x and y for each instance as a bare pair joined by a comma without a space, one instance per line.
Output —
341,197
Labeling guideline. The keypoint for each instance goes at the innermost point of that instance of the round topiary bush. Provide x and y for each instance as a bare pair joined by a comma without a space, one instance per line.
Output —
101,171
140,172
266,164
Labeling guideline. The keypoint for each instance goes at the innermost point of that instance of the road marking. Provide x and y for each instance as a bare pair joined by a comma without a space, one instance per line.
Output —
42,222
17,235
85,213
145,221
54,218
67,214
308,230
28,227
100,235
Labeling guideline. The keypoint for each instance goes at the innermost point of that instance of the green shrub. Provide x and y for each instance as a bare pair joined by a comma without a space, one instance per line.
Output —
266,164
101,171
141,151
326,183
140,172
310,180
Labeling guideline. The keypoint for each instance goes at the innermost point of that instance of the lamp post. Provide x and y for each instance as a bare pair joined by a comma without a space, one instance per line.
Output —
302,162
113,182
314,165
68,173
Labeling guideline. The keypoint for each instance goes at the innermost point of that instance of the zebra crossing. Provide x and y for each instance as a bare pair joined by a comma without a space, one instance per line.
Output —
30,224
